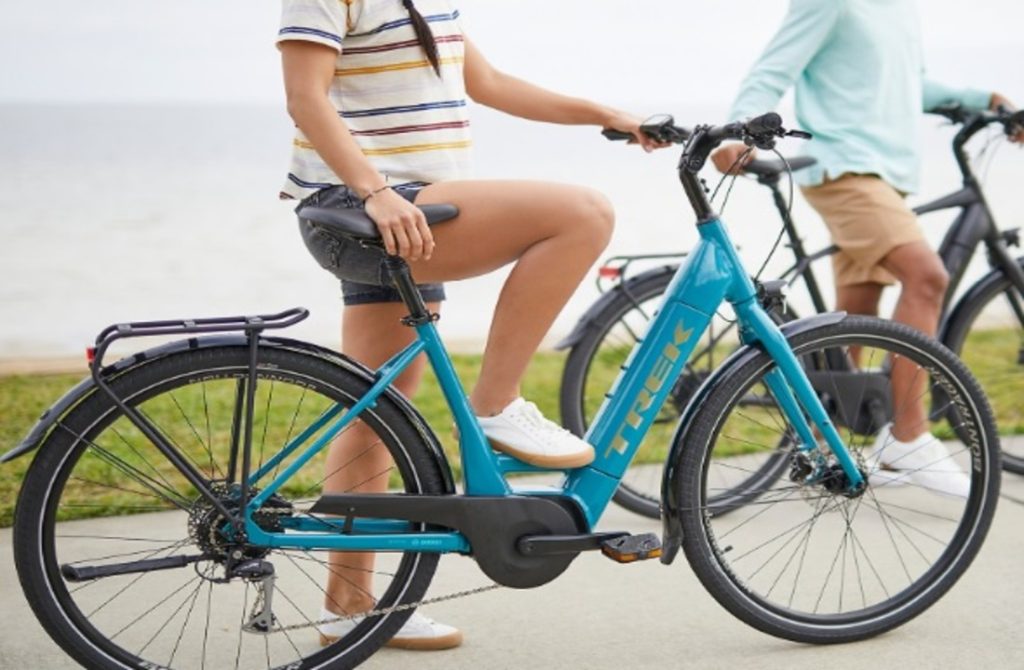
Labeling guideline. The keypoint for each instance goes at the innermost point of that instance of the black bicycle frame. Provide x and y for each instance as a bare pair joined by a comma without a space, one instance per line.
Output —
973,226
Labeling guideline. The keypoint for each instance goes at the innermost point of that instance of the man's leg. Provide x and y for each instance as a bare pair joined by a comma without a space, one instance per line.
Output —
859,298
923,280
882,242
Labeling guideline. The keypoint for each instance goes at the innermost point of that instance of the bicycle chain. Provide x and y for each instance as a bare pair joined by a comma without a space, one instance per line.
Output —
387,610
381,612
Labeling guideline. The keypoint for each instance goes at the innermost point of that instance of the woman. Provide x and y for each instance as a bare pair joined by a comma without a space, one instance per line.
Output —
377,90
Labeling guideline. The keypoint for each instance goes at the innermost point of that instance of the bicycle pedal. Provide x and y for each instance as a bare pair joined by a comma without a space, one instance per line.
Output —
632,548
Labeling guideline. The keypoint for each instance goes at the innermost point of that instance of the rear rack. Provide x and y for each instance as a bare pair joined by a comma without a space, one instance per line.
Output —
241,431
227,324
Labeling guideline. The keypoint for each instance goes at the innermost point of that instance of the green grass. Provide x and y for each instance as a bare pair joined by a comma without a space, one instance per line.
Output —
23,399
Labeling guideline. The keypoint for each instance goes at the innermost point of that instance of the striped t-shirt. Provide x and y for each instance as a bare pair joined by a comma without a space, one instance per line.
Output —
410,123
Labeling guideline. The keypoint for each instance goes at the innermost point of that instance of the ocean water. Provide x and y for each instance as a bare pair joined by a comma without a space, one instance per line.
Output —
112,213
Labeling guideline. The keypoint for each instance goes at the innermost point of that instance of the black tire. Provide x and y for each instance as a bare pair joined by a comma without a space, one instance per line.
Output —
75,475
837,547
988,335
595,360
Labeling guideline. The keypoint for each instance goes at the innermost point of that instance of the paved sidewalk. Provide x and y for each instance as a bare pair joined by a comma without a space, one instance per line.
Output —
602,615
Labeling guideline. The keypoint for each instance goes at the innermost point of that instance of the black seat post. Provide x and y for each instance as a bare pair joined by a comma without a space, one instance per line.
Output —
402,278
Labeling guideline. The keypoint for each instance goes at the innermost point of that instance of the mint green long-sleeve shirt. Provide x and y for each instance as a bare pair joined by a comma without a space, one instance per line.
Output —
859,74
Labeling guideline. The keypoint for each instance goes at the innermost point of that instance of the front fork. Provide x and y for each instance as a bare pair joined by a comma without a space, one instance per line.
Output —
796,397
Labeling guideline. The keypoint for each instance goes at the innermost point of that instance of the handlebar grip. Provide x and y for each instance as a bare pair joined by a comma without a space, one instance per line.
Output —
617,135
765,124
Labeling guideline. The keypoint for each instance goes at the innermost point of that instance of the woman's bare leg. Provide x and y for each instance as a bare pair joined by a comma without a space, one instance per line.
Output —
357,461
552,232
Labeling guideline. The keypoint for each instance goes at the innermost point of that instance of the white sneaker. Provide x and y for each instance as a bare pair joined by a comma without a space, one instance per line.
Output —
418,633
522,431
924,461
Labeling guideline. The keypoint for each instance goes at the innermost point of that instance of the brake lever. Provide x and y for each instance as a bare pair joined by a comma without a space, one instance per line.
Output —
799,134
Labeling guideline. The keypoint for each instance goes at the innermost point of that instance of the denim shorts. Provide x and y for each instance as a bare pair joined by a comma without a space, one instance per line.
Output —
364,279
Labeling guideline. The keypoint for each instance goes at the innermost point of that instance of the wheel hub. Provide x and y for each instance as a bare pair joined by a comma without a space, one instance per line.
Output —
210,530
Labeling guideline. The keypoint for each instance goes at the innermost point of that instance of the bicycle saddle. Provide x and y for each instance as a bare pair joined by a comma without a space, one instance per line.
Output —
771,168
356,224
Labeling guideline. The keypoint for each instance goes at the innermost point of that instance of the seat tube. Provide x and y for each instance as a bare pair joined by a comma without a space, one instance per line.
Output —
480,470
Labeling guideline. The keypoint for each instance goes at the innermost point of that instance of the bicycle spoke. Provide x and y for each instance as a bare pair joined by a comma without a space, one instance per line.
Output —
133,473
160,602
291,428
214,469
266,425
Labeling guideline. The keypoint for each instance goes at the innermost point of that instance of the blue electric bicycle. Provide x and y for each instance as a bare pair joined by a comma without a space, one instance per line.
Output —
233,523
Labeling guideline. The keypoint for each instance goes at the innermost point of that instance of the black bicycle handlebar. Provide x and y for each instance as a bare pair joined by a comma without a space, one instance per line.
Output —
761,132
972,122
956,113
662,130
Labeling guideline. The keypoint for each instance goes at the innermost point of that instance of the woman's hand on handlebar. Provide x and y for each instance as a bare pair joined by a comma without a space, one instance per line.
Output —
402,225
999,102
627,123
725,159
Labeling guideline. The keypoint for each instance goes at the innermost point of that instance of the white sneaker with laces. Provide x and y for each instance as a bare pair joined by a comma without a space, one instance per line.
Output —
522,431
418,633
924,461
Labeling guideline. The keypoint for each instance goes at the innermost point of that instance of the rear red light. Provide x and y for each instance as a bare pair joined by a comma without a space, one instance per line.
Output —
90,354
608,272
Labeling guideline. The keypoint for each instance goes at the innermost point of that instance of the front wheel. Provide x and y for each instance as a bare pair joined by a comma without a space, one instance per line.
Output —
987,331
99,496
809,560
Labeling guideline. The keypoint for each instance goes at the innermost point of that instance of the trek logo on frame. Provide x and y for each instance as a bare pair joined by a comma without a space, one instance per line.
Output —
644,404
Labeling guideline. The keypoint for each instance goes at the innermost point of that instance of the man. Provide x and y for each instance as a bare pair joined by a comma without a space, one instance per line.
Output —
858,73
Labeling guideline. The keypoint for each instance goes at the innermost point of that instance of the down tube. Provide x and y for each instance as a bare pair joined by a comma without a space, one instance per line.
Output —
646,381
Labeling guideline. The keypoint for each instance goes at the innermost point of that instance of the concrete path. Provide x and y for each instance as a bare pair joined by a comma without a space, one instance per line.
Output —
602,615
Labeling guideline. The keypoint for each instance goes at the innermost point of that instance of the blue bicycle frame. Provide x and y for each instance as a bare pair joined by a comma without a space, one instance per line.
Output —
711,275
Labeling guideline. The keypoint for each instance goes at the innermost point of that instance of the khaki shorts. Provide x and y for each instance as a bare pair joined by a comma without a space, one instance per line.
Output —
868,218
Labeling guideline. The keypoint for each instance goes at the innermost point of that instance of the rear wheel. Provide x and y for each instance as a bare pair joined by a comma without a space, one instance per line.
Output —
809,560
100,494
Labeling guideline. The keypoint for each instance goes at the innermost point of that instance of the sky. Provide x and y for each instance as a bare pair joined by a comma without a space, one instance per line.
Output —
169,59
221,51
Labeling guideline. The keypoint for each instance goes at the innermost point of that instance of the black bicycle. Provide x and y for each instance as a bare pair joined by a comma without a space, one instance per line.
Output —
984,325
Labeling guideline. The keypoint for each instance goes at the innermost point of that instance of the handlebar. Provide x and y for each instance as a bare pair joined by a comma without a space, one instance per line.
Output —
972,122
661,129
761,132
1012,121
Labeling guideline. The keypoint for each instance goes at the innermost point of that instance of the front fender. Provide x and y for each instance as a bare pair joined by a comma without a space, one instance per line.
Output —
949,331
672,529
87,387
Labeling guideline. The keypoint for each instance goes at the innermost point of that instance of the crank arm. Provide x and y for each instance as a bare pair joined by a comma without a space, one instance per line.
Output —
548,545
